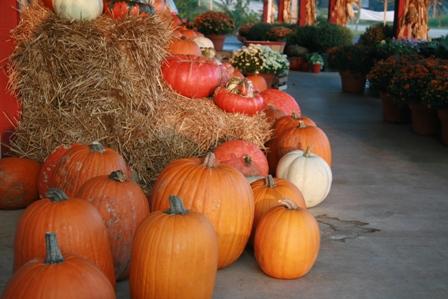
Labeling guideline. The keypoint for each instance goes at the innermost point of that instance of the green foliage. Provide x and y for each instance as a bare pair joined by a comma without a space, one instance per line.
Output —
189,9
438,22
375,34
240,12
259,31
390,48
315,58
355,58
214,22
296,51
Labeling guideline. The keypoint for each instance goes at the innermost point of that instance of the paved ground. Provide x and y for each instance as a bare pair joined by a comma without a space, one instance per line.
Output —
384,224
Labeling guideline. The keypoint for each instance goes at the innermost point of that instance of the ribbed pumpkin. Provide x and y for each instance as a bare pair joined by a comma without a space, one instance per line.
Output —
287,241
18,182
57,277
175,255
49,165
302,137
310,173
216,190
84,162
259,82
291,121
268,192
244,156
279,100
192,76
183,46
78,224
123,206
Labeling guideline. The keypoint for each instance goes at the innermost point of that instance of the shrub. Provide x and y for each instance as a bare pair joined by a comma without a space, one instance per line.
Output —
375,34
355,58
213,22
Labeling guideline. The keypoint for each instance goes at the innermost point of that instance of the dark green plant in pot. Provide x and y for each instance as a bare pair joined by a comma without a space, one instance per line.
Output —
436,91
259,31
375,34
385,49
355,58
213,22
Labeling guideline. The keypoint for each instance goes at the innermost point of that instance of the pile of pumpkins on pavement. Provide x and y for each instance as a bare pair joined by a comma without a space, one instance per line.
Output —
87,224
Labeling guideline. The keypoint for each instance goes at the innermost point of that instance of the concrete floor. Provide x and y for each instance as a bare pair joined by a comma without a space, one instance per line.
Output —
384,224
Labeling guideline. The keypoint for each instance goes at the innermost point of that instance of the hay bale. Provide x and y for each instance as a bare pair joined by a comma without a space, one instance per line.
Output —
100,80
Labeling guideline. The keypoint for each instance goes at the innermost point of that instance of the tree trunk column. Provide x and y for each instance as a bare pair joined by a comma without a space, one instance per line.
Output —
281,11
411,19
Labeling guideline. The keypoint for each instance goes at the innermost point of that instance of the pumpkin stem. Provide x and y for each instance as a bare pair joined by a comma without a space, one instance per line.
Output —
307,152
176,206
96,147
301,124
289,204
294,116
53,255
56,195
210,160
117,176
247,160
270,181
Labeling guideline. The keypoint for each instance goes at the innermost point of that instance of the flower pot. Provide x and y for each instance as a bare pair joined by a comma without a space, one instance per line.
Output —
315,68
424,119
275,46
295,63
218,41
443,116
393,112
352,82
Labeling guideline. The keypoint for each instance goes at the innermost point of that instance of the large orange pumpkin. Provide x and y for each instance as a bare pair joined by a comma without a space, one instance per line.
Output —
57,276
259,82
183,46
192,76
18,182
302,137
175,255
78,224
84,162
280,103
287,241
218,191
244,156
269,191
291,121
123,206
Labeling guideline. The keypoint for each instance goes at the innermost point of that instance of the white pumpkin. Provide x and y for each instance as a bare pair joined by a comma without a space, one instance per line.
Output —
203,42
309,172
79,10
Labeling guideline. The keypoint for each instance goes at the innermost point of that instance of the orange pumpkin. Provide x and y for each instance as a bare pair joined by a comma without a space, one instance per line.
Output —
188,33
259,82
184,46
57,276
123,206
291,121
218,191
84,162
269,191
18,182
287,241
302,137
78,224
279,100
175,255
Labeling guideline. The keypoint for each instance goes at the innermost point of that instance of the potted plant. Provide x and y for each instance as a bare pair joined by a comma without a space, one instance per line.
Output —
244,31
316,61
296,56
275,38
257,59
215,25
353,63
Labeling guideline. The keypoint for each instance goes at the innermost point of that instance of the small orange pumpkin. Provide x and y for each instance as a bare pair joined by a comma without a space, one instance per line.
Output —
258,81
175,255
287,241
57,276
183,46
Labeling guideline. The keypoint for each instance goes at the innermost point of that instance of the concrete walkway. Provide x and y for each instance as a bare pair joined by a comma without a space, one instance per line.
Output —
384,225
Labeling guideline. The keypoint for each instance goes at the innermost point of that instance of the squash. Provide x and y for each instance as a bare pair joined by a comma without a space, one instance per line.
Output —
18,182
287,241
244,156
54,275
279,100
203,42
238,96
175,255
184,46
119,9
267,193
123,206
218,191
84,162
78,10
78,224
192,76
302,137
259,82
309,172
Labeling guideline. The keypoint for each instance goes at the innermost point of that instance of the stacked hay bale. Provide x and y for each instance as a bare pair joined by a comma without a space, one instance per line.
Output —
100,80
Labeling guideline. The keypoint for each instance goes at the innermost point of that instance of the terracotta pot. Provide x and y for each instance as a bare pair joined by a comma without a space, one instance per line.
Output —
295,63
424,119
393,112
218,41
276,46
443,116
352,82
315,68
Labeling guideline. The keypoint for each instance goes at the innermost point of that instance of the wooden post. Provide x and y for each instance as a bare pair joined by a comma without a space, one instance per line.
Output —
331,7
9,106
400,6
281,11
266,4
307,11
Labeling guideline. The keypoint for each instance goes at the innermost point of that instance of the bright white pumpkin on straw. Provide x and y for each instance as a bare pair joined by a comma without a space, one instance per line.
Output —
78,10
